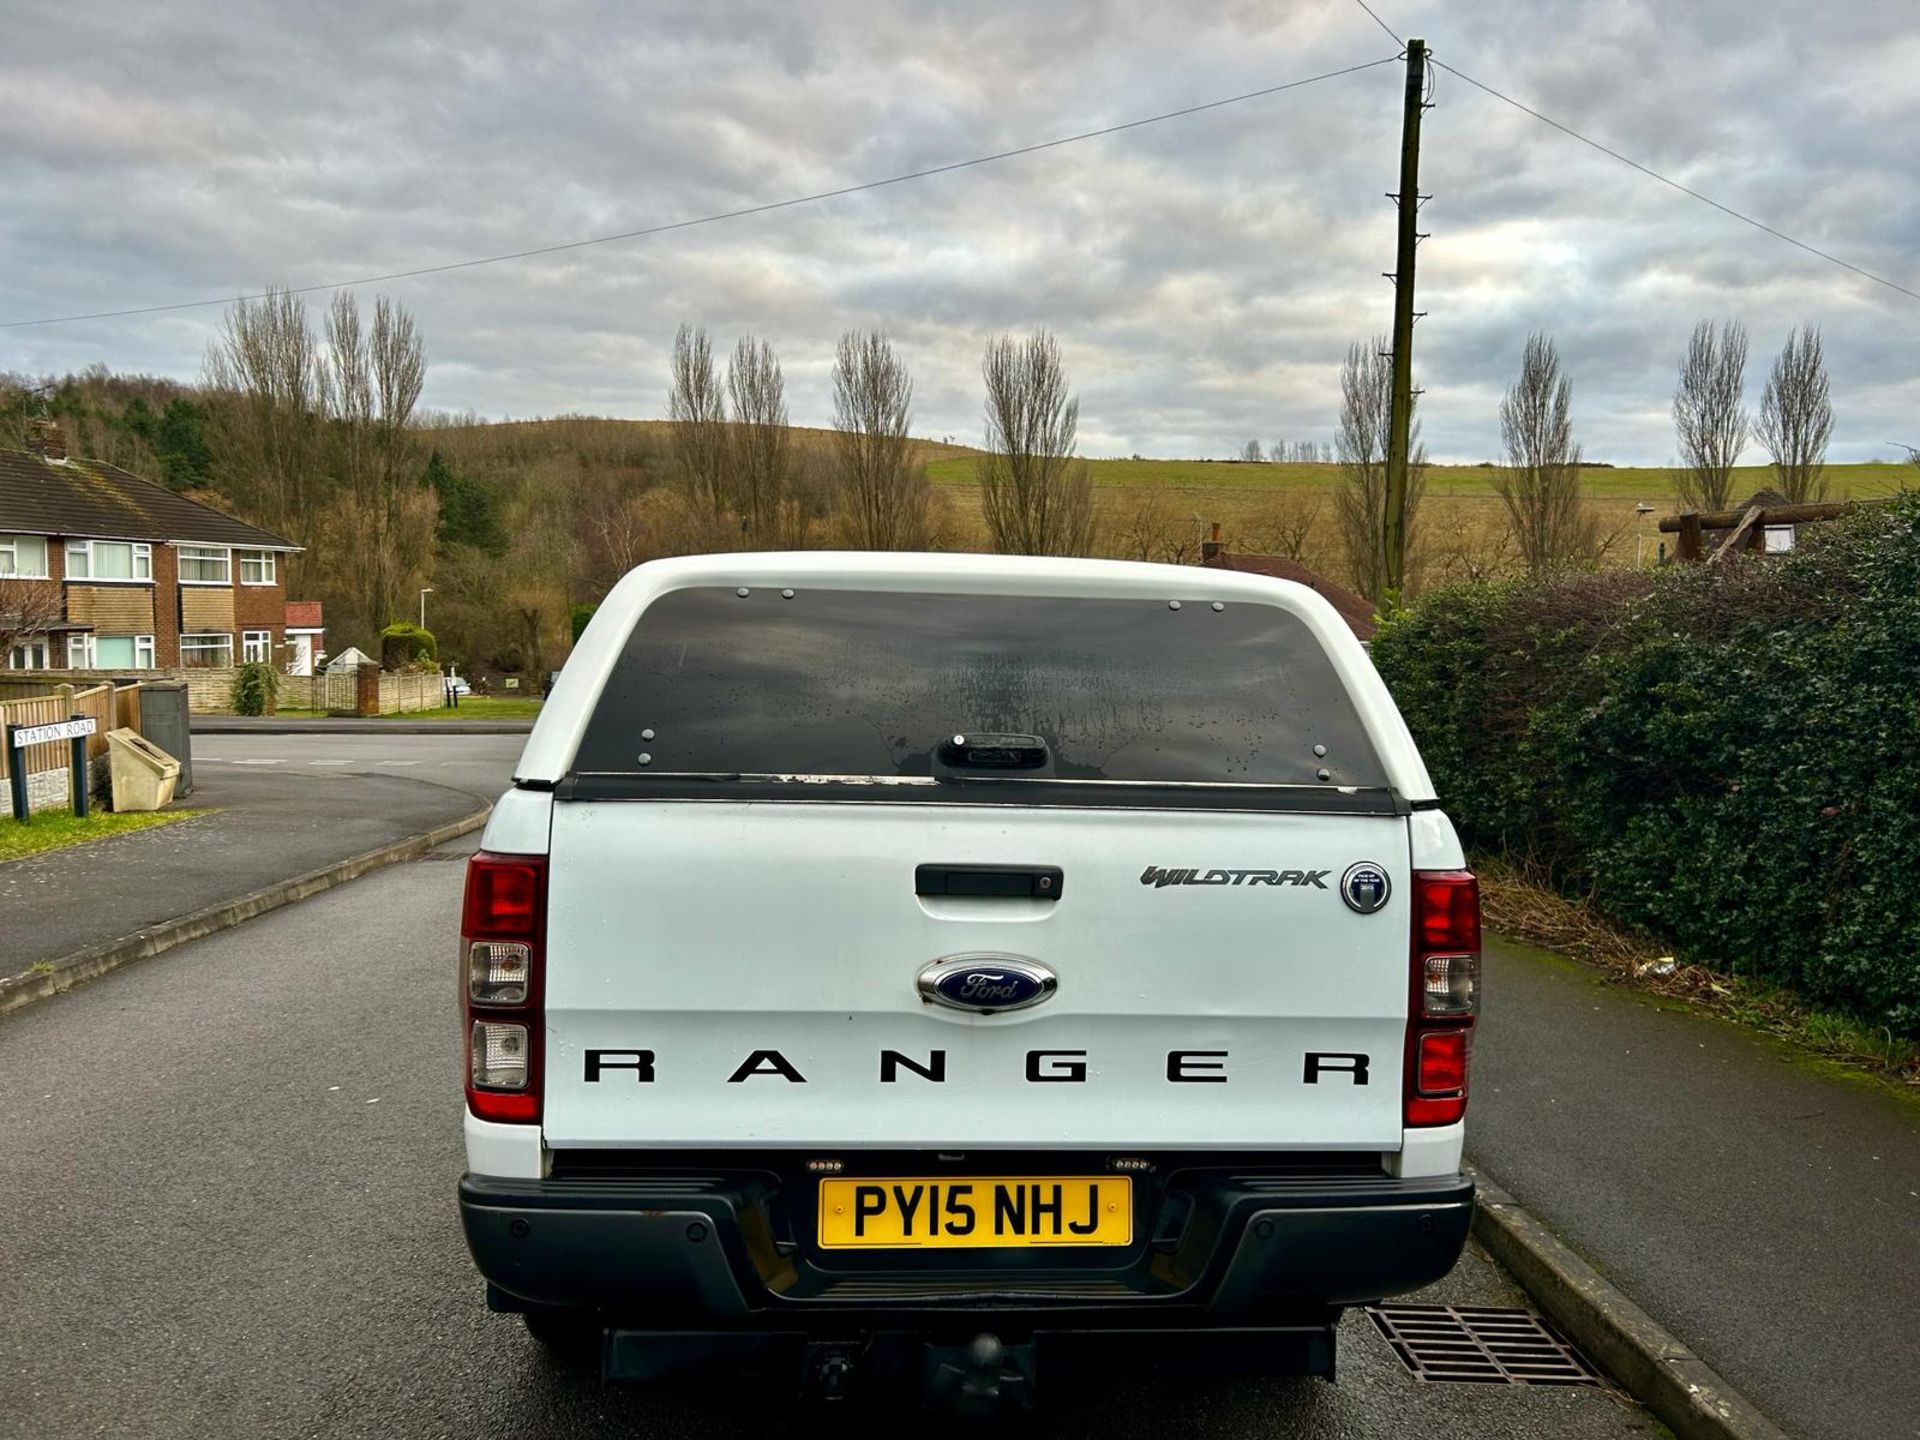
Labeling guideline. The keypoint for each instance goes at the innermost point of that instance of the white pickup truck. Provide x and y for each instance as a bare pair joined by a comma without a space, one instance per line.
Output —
962,968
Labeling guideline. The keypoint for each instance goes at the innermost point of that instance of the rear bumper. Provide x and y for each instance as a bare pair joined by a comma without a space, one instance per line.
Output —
1218,1247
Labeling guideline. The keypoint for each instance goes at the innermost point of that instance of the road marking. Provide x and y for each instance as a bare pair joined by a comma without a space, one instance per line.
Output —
260,762
329,762
396,762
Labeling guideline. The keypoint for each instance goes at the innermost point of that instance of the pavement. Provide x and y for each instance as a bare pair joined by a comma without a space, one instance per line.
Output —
304,805
1764,1210
229,1180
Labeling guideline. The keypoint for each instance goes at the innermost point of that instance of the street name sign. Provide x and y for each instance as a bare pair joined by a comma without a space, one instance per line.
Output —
60,730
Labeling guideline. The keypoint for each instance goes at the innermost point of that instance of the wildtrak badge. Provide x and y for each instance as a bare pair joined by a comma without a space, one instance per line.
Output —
1160,878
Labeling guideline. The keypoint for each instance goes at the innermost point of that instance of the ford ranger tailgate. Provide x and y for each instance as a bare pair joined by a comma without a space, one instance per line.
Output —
747,974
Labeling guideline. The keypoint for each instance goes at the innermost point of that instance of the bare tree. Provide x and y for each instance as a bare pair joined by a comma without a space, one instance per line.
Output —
1360,499
384,515
29,609
882,494
1796,416
1709,413
1540,485
1035,498
1146,524
1251,453
265,375
1282,525
697,415
760,440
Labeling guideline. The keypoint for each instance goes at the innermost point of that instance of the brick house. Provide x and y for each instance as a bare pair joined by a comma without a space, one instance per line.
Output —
100,569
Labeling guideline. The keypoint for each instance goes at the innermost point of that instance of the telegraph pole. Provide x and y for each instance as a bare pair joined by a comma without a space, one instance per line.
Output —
1400,421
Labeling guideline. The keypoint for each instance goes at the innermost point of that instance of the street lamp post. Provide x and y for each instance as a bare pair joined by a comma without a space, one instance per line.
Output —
425,591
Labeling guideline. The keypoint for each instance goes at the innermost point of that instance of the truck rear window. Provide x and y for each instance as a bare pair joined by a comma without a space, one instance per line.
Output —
852,683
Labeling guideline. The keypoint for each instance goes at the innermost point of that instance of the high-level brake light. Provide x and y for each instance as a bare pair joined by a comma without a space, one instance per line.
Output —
1446,995
502,938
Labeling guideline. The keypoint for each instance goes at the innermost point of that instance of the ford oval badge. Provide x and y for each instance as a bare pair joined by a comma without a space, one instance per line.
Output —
986,984
1365,887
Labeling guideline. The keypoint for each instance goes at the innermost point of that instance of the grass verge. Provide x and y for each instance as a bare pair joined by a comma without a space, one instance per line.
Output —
479,707
1515,904
59,829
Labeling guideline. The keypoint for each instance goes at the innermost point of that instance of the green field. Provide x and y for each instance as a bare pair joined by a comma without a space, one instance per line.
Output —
1653,484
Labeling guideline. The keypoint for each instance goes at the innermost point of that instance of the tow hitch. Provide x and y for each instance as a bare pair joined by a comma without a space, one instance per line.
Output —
980,1378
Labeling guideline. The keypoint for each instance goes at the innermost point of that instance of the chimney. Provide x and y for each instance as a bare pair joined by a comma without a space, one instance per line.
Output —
1210,548
45,438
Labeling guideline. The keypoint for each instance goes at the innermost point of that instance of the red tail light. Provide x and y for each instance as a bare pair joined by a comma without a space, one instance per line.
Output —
503,933
1446,995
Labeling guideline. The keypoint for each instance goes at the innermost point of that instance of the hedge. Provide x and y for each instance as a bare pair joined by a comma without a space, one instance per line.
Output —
1727,757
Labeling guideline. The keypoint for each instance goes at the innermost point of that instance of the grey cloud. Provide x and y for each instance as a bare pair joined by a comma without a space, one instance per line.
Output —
1204,276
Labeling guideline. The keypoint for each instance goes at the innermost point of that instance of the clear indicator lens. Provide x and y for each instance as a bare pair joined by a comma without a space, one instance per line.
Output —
497,971
1451,984
499,1055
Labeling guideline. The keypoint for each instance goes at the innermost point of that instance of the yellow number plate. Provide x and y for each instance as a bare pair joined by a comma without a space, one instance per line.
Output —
969,1213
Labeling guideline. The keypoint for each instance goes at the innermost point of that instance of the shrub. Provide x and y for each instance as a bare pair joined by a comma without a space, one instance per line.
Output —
579,615
1727,757
254,686
404,645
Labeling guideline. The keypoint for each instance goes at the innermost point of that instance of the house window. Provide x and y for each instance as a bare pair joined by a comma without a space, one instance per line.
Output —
206,565
32,655
113,652
79,652
109,560
256,567
206,650
23,557
256,645
143,652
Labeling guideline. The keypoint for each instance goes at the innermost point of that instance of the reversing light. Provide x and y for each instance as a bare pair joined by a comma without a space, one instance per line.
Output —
1451,985
500,1058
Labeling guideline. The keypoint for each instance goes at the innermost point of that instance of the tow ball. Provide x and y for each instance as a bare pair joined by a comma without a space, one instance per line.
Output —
982,1377
830,1370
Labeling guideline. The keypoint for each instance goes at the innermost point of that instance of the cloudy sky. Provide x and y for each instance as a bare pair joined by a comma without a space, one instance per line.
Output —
1203,276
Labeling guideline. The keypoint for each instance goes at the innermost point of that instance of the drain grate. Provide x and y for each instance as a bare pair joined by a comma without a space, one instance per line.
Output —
1480,1345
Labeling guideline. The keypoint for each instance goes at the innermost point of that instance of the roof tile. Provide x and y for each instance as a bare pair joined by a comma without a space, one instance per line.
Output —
90,498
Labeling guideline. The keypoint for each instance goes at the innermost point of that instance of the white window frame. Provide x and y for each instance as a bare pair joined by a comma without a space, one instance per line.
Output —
186,649
81,642
44,649
10,558
203,554
265,561
256,640
141,562
143,652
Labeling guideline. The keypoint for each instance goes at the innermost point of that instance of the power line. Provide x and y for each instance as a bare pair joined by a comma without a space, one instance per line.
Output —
739,214
1683,189
1378,21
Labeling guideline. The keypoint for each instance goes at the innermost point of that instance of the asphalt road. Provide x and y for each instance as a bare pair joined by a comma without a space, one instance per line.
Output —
481,765
228,1210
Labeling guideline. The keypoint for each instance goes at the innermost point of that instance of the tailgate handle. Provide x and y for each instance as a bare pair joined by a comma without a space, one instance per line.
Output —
1025,882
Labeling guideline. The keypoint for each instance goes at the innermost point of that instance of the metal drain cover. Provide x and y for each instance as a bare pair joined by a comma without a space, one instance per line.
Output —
1480,1345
